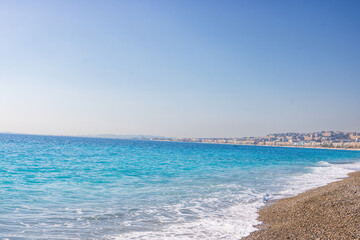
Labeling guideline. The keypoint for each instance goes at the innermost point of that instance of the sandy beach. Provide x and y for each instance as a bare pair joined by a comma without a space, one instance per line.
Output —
327,212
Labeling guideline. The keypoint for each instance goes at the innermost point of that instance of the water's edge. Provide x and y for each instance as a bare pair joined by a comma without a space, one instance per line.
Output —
270,202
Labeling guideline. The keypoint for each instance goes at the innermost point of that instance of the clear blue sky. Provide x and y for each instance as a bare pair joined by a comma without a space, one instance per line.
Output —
179,68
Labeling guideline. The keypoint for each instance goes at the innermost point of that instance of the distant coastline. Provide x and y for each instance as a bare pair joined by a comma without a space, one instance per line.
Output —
319,140
329,148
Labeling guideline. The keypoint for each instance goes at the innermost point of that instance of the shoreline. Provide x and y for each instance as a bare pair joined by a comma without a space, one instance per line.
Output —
331,211
349,149
333,148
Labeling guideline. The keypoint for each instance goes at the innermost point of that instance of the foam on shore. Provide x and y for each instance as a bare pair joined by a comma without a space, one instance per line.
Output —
327,212
239,220
319,175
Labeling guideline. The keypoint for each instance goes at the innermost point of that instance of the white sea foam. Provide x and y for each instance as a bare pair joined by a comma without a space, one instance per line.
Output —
239,220
319,175
235,222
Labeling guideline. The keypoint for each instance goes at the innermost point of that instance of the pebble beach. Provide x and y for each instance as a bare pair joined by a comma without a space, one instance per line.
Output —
327,212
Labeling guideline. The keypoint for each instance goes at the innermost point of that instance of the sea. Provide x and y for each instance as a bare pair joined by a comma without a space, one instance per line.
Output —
91,188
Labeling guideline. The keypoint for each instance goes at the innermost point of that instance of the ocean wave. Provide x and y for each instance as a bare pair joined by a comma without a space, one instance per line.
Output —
319,175
240,219
239,222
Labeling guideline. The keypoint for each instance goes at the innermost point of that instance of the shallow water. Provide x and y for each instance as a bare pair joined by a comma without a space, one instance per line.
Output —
86,188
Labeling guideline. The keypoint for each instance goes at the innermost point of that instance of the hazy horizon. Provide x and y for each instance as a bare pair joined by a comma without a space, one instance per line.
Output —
179,68
137,136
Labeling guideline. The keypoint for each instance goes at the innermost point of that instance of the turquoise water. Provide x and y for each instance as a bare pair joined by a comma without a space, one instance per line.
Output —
86,188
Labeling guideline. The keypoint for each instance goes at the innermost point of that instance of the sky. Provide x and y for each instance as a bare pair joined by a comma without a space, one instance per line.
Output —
180,68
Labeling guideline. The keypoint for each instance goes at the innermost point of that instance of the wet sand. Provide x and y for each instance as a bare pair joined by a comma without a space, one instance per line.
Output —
328,212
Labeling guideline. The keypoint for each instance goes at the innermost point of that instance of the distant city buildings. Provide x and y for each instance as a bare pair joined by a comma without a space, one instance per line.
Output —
324,139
